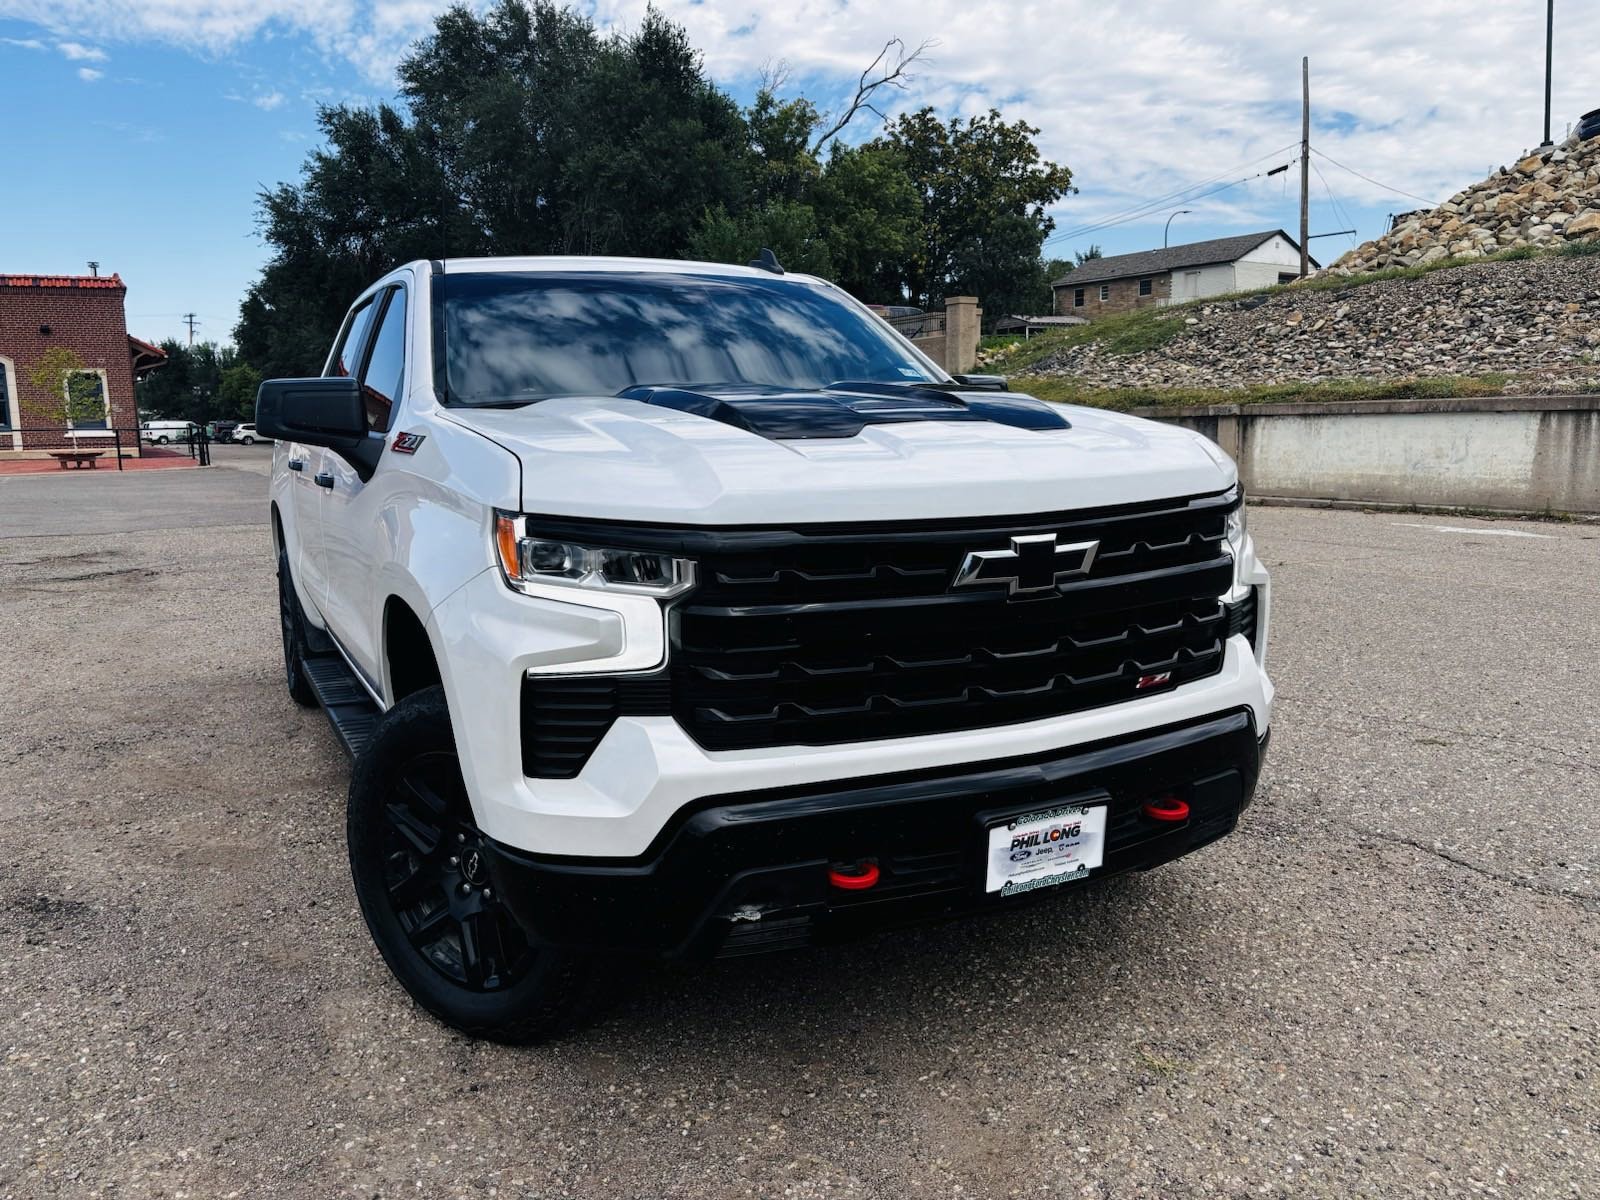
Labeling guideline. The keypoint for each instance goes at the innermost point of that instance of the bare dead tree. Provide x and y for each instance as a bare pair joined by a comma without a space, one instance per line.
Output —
890,69
774,75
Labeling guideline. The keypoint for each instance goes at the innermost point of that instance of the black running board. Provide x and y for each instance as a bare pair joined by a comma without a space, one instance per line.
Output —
351,711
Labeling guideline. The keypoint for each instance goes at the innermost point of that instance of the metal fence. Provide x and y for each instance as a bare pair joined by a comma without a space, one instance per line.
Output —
88,449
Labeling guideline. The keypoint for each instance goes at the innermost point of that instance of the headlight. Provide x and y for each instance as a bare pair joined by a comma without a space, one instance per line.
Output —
1237,530
526,560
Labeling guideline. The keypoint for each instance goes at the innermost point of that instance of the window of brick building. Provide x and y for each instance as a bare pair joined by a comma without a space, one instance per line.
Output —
1077,297
90,405
1105,291
1147,287
5,393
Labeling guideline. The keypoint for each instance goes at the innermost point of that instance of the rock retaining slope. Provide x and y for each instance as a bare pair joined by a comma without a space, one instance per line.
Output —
1550,197
1535,319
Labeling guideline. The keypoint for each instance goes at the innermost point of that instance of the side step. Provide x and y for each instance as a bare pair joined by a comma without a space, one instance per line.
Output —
352,713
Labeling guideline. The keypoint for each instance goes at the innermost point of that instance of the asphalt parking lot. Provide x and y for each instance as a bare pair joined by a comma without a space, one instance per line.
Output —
1383,985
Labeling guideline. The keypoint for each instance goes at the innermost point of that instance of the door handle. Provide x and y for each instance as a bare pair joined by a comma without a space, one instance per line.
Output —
297,464
324,479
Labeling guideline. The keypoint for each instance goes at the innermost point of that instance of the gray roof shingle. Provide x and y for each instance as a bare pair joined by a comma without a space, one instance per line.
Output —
1171,258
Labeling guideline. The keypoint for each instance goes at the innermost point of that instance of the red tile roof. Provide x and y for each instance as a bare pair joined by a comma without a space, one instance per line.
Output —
62,281
141,346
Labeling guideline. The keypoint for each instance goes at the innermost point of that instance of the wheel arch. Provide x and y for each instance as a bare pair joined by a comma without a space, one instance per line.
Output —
410,659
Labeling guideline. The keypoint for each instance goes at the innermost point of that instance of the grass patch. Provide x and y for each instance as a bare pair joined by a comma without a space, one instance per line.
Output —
1066,390
1126,333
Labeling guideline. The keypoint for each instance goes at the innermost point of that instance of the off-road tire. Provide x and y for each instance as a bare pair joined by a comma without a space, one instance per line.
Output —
406,864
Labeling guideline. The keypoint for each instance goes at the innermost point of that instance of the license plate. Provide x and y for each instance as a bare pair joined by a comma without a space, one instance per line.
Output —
1052,846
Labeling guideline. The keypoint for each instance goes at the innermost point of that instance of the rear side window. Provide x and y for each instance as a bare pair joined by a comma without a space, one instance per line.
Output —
347,357
386,363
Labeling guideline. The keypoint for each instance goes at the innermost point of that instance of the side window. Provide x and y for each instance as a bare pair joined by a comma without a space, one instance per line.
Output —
347,358
386,364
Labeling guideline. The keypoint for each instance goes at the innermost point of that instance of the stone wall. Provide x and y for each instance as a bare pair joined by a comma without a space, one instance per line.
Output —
1549,197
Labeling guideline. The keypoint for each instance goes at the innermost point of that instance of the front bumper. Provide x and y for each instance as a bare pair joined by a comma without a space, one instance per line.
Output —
748,872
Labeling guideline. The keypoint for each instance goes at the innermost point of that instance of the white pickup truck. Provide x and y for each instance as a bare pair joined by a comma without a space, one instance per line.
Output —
673,609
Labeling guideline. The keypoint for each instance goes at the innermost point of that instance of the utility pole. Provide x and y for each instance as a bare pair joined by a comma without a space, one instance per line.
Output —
1549,47
1305,165
94,268
188,319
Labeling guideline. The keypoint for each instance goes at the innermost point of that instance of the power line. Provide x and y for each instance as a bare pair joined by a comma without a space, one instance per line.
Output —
189,320
1370,179
1181,195
1174,197
1333,201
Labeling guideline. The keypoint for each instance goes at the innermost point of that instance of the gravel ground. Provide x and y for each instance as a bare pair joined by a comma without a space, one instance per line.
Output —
1383,985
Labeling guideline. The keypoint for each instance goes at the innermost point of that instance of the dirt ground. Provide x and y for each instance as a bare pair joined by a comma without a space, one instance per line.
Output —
1385,984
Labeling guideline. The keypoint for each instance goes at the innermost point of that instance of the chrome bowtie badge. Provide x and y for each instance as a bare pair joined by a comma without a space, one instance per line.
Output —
1033,563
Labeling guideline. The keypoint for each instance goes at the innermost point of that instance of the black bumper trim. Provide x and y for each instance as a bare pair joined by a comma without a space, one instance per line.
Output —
747,872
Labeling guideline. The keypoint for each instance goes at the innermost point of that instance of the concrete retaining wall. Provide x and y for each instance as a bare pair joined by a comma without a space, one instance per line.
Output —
1529,453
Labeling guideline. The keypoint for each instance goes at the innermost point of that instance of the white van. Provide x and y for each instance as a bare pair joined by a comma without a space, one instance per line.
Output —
162,432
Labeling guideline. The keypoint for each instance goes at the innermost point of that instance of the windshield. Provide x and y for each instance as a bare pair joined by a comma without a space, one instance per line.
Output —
515,338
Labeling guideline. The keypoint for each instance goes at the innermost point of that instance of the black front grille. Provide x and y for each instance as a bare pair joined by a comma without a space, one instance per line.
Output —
810,637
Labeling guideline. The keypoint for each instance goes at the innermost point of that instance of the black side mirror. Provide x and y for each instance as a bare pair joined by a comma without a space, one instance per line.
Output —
319,412
327,411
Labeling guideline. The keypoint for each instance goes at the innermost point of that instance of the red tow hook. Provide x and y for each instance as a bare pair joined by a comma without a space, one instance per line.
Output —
1167,808
854,877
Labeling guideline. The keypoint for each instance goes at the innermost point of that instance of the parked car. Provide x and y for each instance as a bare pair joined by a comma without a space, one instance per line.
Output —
162,432
221,431
679,610
246,434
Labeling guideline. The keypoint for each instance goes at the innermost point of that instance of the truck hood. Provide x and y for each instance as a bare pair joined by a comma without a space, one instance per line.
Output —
619,458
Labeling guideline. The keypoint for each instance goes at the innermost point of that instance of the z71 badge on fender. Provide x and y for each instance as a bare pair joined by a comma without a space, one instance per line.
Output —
407,443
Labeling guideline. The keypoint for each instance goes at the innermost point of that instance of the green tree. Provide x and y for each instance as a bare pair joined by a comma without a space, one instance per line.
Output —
236,396
985,191
868,205
188,386
521,131
70,394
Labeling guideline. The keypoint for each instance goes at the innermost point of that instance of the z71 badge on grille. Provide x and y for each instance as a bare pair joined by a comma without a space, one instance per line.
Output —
1033,564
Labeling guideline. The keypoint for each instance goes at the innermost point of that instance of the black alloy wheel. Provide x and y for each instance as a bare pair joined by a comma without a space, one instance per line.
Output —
436,874
421,875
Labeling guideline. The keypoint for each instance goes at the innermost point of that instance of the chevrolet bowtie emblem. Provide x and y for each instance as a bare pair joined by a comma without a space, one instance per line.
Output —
1033,564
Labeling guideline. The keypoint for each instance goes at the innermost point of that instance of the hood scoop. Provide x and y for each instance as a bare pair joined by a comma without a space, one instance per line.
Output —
843,410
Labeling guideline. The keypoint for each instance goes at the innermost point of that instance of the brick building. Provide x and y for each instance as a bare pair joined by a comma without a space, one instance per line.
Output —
1173,274
83,314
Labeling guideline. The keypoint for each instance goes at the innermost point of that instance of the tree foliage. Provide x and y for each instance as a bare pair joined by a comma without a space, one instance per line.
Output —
522,129
69,395
190,385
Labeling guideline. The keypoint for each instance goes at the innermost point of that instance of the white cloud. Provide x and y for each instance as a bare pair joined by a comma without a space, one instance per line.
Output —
23,43
1139,99
78,52
267,101
89,74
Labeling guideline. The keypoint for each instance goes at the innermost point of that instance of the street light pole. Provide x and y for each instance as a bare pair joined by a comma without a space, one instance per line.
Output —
1165,232
1549,46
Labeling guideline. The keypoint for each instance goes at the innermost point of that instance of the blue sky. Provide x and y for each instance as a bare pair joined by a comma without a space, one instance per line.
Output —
138,132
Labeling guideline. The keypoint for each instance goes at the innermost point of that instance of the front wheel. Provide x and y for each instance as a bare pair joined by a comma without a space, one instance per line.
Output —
420,870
